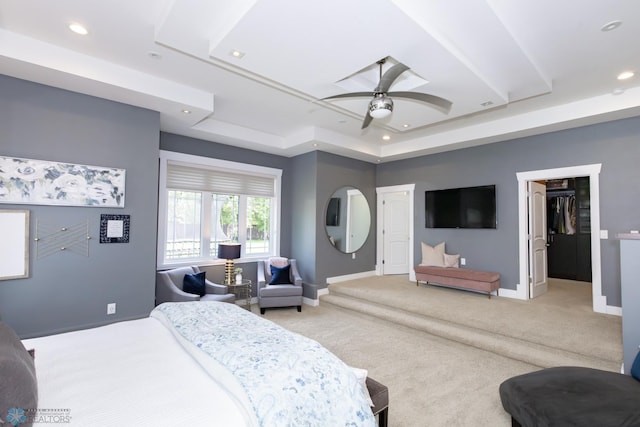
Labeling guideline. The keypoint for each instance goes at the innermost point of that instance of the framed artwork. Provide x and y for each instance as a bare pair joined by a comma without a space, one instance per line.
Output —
114,228
41,182
14,244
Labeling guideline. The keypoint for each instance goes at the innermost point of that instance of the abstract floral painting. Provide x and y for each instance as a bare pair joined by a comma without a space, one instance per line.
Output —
41,182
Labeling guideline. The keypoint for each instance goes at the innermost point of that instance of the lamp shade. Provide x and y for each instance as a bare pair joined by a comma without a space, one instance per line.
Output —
229,250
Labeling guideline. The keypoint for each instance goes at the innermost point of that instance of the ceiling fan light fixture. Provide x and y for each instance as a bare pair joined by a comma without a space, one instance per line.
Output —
380,107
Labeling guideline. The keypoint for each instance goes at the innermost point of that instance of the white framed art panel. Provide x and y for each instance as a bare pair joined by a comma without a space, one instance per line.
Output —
14,244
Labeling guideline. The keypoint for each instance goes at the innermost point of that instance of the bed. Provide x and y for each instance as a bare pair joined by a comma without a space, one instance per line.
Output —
196,364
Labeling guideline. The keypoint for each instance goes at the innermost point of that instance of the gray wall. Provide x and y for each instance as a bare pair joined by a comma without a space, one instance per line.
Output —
613,144
65,290
304,222
316,176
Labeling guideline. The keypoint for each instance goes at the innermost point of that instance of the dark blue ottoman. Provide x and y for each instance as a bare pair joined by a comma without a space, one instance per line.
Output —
572,396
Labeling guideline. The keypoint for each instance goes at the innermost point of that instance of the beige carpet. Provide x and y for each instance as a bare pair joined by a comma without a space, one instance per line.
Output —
442,374
557,328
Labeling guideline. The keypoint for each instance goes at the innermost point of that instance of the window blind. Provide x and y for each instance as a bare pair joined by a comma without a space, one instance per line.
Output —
183,177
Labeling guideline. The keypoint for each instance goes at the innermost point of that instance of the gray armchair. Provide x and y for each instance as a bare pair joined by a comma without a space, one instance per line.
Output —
169,287
279,295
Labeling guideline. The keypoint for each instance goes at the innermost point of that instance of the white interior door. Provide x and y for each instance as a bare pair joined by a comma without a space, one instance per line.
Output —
358,223
537,239
396,229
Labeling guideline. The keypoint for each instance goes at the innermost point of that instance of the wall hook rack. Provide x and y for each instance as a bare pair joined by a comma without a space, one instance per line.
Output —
51,239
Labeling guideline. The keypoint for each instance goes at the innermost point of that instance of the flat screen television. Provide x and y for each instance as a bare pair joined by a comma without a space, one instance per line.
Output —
470,207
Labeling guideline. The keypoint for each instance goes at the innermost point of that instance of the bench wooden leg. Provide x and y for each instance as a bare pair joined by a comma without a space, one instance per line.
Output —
383,417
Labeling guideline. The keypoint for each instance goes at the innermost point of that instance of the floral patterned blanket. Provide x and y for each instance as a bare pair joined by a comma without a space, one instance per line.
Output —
286,379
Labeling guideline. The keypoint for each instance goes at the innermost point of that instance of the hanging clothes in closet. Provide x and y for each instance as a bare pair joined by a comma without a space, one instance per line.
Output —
561,214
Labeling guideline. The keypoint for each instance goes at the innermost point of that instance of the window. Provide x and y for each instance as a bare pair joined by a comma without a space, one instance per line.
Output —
204,202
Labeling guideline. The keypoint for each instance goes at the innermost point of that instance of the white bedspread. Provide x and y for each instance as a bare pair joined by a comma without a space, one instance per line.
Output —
285,378
128,374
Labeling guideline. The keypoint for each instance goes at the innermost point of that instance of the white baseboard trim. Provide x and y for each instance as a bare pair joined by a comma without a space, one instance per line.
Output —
354,276
521,294
311,302
315,302
616,311
509,293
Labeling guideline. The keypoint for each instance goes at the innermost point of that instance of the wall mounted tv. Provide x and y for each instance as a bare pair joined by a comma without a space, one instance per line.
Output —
470,207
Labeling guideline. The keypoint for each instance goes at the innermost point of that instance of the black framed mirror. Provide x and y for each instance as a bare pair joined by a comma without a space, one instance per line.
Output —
347,219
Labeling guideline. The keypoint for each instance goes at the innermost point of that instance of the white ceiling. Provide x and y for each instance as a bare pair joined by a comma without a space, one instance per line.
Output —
542,64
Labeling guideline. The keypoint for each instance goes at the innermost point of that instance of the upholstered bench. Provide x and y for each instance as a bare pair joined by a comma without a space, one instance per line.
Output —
380,396
484,281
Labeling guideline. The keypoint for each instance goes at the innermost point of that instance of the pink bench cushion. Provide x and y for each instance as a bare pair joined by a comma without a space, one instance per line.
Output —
460,277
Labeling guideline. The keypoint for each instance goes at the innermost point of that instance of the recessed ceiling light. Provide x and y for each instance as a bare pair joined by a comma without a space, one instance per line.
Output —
236,54
406,125
386,137
315,144
487,103
78,29
626,75
610,25
185,111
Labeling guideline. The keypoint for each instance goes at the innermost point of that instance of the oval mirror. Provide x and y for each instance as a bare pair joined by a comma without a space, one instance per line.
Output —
348,219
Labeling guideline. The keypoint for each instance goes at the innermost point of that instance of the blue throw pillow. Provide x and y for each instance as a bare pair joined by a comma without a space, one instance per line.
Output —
194,283
635,368
280,276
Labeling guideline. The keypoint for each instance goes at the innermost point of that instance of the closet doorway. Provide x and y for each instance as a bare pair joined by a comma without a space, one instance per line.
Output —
593,174
568,229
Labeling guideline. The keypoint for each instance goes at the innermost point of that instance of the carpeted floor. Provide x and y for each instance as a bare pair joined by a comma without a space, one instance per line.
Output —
444,352
557,328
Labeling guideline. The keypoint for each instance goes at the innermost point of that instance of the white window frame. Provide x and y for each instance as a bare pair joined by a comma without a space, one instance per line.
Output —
236,167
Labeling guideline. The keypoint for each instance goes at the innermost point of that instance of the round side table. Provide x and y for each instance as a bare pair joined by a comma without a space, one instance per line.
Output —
242,291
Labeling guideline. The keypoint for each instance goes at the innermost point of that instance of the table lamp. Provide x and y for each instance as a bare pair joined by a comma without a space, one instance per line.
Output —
228,251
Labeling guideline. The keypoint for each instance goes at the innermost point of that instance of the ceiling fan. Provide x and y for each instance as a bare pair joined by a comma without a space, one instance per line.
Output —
382,105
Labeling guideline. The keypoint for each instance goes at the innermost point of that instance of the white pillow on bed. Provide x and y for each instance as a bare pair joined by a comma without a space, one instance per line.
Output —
433,255
361,374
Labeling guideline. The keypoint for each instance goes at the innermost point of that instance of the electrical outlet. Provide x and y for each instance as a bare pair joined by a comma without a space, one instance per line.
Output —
463,261
111,308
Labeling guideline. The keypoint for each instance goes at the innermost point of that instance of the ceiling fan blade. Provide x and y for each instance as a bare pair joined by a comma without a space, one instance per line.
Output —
390,76
441,103
367,120
349,95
